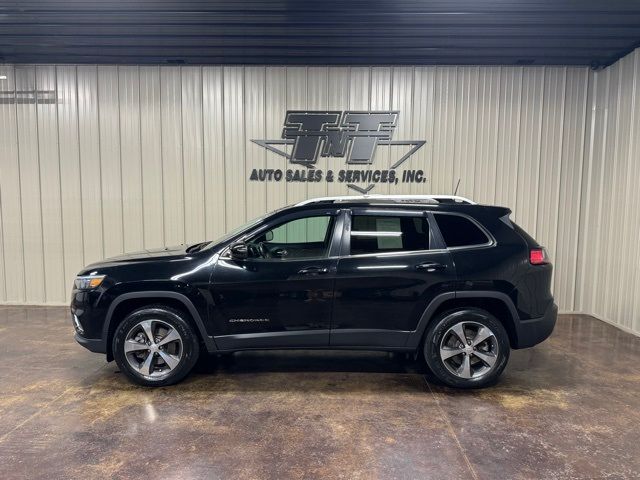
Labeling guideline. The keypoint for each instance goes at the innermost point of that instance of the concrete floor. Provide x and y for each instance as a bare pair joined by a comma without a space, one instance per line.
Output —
569,408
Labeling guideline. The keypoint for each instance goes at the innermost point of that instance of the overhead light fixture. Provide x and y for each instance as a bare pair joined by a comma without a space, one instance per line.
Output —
3,77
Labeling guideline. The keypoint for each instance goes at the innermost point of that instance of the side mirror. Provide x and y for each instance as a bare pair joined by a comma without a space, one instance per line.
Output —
268,236
239,251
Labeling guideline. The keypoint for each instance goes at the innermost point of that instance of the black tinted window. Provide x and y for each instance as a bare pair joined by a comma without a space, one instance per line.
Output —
307,237
374,234
459,231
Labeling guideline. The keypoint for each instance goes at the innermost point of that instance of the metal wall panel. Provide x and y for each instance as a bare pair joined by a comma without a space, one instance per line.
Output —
296,99
91,172
608,282
151,157
235,145
572,155
172,159
10,203
422,122
192,152
276,98
110,161
70,168
446,133
487,133
214,148
338,95
51,200
131,157
30,185
507,151
318,96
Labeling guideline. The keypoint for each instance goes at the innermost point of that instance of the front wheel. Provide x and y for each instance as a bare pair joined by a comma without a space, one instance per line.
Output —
467,348
155,346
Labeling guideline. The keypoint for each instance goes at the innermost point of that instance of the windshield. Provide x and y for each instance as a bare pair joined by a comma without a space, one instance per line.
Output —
250,224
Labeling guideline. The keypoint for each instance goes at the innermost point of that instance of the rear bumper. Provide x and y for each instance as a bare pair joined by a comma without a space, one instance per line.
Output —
92,344
535,330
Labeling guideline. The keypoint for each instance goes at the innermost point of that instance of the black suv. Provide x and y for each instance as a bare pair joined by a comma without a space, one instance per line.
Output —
440,276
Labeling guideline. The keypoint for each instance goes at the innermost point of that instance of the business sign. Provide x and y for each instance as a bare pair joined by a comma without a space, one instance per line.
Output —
350,135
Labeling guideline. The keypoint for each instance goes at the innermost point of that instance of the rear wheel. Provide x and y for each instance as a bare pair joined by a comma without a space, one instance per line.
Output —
467,348
155,346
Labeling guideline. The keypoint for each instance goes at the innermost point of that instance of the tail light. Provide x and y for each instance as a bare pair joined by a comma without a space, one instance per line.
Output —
538,256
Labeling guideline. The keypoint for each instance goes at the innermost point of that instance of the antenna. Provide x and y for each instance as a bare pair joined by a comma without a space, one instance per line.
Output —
455,192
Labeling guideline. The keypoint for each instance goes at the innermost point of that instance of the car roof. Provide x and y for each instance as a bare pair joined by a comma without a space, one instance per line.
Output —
389,199
406,202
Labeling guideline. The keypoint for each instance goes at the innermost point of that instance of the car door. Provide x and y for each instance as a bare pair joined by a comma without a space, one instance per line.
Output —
392,264
281,295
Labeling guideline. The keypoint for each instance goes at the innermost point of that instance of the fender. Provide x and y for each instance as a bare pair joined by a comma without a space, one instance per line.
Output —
413,340
208,341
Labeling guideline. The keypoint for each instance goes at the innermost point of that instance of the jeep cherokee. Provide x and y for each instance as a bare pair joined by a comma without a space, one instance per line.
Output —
437,276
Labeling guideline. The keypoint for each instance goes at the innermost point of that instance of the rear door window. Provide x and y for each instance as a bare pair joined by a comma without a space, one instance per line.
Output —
379,234
459,231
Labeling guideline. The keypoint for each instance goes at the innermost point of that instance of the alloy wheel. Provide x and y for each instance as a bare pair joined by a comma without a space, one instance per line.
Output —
469,350
153,348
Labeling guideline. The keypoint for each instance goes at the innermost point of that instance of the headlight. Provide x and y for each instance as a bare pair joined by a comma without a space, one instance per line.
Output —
88,282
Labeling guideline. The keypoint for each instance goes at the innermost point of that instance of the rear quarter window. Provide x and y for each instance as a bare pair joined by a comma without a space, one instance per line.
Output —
459,231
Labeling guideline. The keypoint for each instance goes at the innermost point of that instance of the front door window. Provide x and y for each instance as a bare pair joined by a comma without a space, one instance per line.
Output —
299,239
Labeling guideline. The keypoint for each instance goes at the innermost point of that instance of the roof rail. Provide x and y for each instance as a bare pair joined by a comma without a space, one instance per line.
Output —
347,198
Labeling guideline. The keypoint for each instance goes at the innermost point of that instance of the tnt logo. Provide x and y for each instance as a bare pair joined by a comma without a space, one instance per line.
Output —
337,134
343,134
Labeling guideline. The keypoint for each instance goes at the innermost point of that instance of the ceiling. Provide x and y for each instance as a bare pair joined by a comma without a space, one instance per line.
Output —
349,32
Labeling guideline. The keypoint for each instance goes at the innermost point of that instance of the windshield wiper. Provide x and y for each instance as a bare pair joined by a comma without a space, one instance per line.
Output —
197,247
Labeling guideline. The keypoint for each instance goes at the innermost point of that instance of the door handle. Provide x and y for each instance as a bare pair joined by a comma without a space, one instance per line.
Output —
280,252
313,270
431,266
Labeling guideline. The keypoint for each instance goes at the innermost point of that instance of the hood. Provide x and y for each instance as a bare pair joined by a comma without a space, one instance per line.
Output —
167,253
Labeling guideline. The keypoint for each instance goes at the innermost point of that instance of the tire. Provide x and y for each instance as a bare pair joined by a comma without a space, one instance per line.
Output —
480,362
173,341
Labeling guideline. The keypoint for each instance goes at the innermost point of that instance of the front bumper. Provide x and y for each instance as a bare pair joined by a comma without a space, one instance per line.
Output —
87,323
96,345
535,330
87,314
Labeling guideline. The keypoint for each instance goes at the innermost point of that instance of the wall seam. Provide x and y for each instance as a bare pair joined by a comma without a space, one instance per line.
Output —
35,72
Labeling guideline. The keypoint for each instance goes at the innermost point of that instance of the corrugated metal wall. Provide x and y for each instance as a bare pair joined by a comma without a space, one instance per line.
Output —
609,253
140,157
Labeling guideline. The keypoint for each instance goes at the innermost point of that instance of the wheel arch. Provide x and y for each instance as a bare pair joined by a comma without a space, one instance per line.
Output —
497,303
125,303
